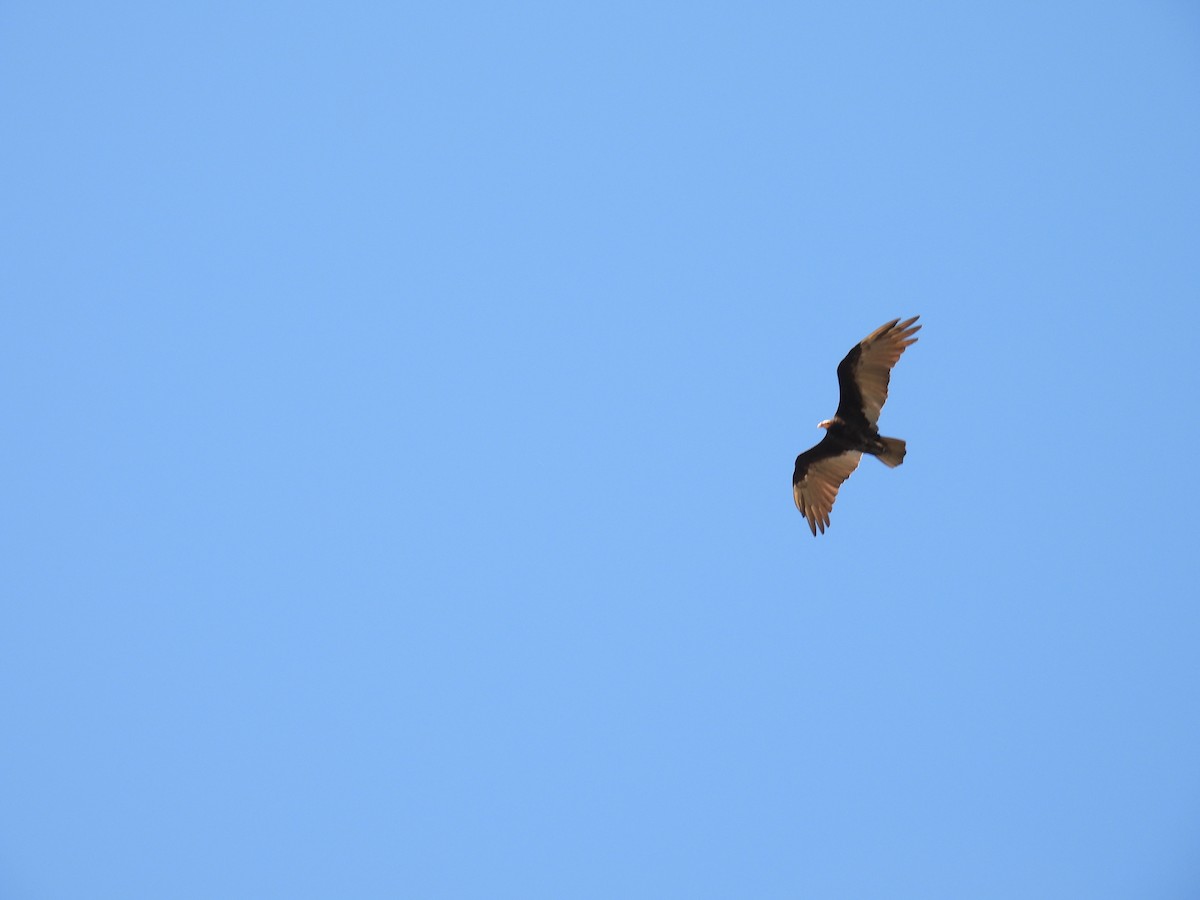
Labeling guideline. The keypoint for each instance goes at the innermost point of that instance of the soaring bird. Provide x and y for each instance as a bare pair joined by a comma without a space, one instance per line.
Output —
863,379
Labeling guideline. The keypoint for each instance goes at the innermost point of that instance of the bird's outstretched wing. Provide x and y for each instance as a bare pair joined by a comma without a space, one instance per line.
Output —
819,473
864,374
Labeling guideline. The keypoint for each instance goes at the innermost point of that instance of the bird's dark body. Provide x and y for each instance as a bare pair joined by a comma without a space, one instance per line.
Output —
853,437
840,438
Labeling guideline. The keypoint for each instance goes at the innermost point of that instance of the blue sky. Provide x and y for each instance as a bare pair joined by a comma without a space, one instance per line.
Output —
401,406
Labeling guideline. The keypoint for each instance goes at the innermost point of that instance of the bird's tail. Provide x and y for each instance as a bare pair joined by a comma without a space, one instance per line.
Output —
893,452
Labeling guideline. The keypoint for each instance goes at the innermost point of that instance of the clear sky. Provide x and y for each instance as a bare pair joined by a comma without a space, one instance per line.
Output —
400,408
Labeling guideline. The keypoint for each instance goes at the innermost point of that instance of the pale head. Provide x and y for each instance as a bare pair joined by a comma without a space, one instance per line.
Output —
827,423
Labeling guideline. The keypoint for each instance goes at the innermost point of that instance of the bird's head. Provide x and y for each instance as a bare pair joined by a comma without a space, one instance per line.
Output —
826,423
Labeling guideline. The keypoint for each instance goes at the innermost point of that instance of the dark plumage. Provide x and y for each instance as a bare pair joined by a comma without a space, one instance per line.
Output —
863,378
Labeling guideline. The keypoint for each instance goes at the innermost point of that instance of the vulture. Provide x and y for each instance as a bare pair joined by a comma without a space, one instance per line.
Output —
863,381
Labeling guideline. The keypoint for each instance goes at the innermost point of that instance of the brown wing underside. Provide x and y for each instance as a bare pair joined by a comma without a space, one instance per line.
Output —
817,486
878,352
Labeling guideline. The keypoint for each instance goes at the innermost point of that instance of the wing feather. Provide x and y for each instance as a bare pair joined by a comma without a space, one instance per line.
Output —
866,371
816,481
